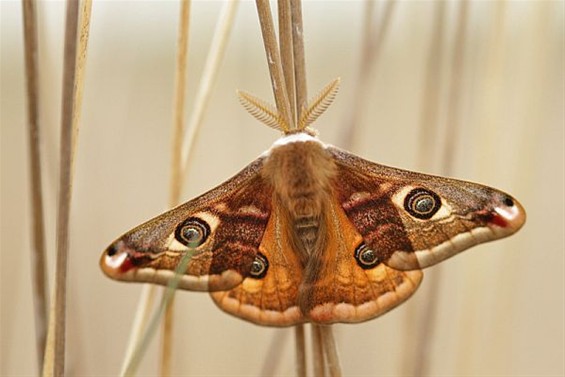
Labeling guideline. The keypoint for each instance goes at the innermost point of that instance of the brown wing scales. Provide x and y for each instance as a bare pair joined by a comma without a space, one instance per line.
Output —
380,202
231,220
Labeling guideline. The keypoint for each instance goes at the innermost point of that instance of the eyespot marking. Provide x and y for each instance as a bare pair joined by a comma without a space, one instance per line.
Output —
259,266
422,203
193,232
366,258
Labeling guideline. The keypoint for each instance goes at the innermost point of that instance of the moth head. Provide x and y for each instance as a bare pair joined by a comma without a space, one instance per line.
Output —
152,251
443,217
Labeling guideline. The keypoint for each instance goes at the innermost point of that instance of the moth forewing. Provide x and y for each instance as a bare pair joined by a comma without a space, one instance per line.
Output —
415,220
228,222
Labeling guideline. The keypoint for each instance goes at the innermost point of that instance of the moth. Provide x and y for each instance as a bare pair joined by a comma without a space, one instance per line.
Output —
311,233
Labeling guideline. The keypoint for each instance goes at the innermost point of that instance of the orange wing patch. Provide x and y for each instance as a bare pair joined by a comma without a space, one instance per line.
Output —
346,292
272,299
343,291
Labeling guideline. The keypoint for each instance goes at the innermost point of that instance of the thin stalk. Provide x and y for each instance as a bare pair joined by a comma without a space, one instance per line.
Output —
176,162
141,347
209,76
142,315
290,21
291,42
318,351
273,358
167,337
292,69
299,57
373,40
84,30
179,103
300,350
330,351
287,55
274,62
40,283
64,202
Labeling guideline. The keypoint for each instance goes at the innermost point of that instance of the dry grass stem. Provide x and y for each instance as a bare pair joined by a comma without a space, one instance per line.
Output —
292,70
146,301
209,76
179,103
40,282
318,351
176,178
142,345
291,95
330,351
83,30
295,85
274,62
300,350
373,40
285,68
300,86
299,57
272,360
54,364
167,338
287,58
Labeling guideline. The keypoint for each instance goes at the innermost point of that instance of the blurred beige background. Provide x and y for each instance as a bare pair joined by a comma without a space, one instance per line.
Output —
501,305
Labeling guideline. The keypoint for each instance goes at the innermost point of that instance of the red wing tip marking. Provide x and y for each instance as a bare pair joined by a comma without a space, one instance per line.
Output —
512,217
498,220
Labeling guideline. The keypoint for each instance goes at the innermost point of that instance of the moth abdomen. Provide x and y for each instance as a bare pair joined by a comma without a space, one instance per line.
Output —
307,231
